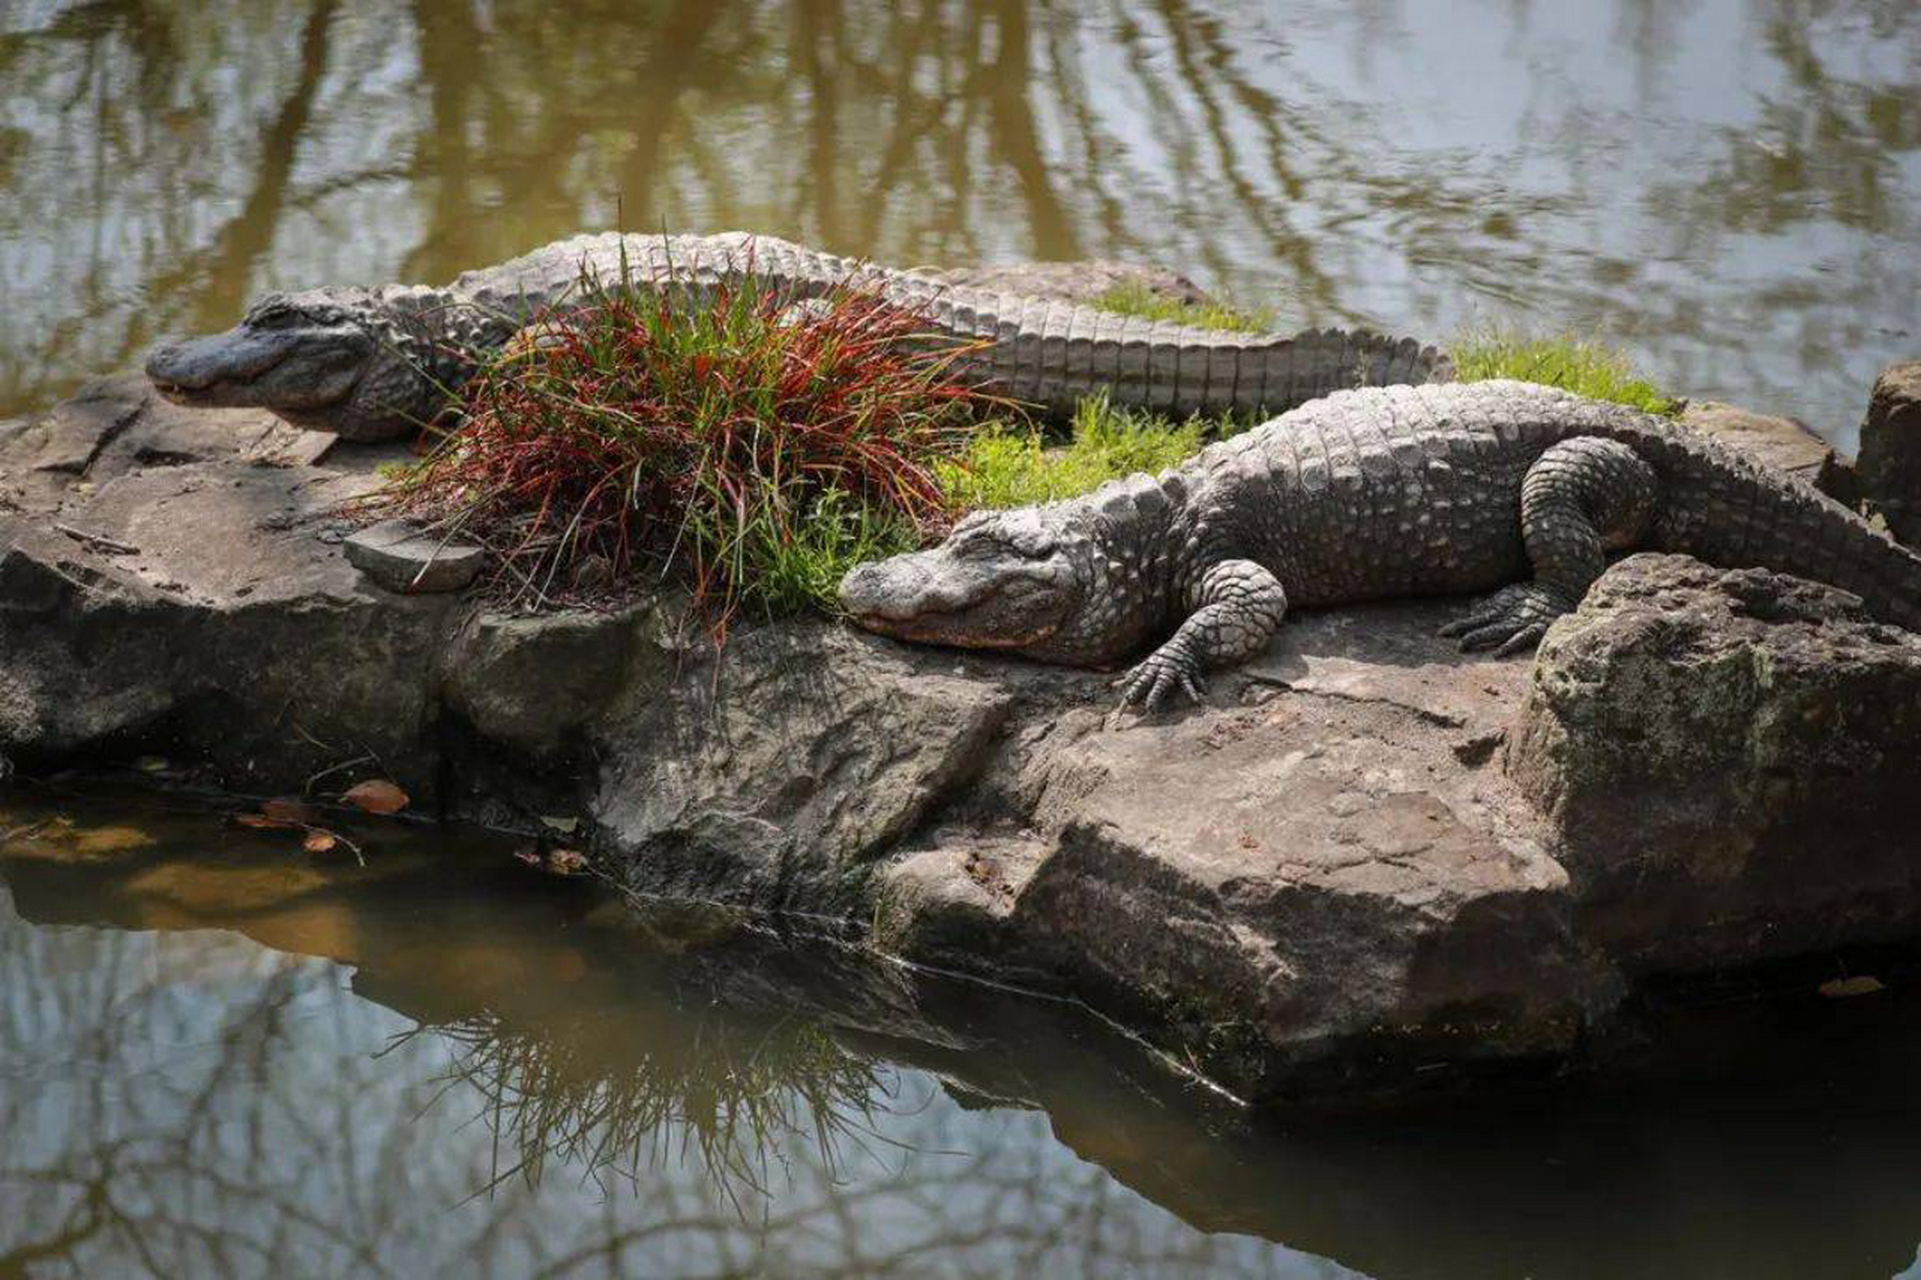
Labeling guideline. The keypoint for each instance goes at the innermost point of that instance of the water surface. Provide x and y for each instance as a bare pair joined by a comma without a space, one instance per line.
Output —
1730,187
222,1056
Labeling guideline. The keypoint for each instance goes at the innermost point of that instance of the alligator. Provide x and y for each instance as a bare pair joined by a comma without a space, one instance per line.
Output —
376,364
1367,494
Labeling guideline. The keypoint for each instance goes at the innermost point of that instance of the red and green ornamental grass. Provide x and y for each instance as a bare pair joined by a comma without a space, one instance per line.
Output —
751,449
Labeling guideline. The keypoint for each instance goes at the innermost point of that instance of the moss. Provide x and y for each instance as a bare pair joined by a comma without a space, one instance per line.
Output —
1136,299
1584,366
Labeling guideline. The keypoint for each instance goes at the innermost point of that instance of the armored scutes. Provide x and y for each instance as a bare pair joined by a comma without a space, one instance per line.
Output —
1368,494
372,364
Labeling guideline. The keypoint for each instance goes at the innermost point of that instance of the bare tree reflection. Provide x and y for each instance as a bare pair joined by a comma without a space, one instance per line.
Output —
162,162
178,1104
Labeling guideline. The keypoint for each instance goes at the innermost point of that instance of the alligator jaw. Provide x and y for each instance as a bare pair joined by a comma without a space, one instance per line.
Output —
212,369
927,598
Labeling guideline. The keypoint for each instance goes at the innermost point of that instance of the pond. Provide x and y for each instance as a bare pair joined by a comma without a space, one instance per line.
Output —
221,1055
1730,188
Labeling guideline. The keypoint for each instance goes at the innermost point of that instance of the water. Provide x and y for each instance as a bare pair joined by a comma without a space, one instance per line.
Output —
1732,188
222,1056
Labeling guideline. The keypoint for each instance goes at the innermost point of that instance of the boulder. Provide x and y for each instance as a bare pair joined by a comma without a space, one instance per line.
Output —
1318,884
116,425
1330,876
191,610
538,685
772,774
1890,463
1729,761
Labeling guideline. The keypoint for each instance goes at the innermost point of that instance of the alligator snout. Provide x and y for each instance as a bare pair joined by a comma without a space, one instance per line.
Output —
183,367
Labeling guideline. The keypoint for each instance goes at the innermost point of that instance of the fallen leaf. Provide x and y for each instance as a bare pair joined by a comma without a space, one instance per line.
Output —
1842,988
318,841
528,854
566,826
151,764
261,822
290,811
567,862
376,796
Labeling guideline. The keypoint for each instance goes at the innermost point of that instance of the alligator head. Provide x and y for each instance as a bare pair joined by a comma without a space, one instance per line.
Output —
334,360
1043,582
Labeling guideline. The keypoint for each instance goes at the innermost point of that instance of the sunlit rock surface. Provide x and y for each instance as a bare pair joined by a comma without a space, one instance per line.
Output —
1730,762
1350,870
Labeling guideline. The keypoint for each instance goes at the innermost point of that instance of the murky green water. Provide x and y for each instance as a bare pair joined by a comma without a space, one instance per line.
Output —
1732,187
222,1056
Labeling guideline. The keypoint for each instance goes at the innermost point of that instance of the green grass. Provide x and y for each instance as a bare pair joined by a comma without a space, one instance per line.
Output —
1581,365
1012,467
1136,299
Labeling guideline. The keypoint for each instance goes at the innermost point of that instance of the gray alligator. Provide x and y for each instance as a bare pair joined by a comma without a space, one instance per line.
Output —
1365,495
373,364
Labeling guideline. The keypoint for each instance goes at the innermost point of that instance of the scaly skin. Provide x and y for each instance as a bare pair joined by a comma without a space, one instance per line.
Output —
373,364
1365,495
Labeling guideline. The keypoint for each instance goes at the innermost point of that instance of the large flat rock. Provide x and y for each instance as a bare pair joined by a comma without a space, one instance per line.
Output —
1367,862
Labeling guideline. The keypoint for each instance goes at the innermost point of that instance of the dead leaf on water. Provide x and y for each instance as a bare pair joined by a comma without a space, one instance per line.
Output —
1862,985
319,841
567,862
261,822
376,796
566,826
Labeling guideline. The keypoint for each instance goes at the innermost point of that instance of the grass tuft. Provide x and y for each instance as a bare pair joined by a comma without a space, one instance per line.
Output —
1132,298
747,448
1012,467
1581,365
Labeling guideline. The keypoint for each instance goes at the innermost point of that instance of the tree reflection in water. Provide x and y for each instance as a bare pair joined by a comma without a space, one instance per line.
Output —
1728,187
176,1099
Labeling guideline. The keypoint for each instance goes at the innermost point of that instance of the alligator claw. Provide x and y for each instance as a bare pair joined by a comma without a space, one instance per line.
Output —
1165,671
1510,621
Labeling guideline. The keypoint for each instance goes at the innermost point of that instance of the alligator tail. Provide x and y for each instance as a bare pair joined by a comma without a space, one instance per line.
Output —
1727,510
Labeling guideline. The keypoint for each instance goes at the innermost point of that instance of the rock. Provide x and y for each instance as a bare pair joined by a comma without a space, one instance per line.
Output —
397,555
117,425
1313,890
1780,443
1072,281
233,637
1323,879
1890,463
538,685
773,776
1729,761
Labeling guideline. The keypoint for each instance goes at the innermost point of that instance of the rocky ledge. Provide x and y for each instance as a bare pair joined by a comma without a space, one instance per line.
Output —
1368,861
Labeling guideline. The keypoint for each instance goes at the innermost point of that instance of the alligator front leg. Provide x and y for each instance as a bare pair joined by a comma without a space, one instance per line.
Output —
1582,498
1239,605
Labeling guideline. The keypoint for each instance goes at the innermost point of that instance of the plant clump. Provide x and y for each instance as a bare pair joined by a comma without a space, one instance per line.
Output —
1582,365
750,448
1132,298
1007,466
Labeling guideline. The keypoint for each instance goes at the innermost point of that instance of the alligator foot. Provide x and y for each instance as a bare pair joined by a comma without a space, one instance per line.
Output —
1172,668
1510,621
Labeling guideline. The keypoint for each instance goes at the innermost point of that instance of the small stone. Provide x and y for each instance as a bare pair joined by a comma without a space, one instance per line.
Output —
399,557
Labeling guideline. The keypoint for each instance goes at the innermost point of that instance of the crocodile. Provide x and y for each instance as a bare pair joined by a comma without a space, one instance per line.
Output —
375,364
1368,494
